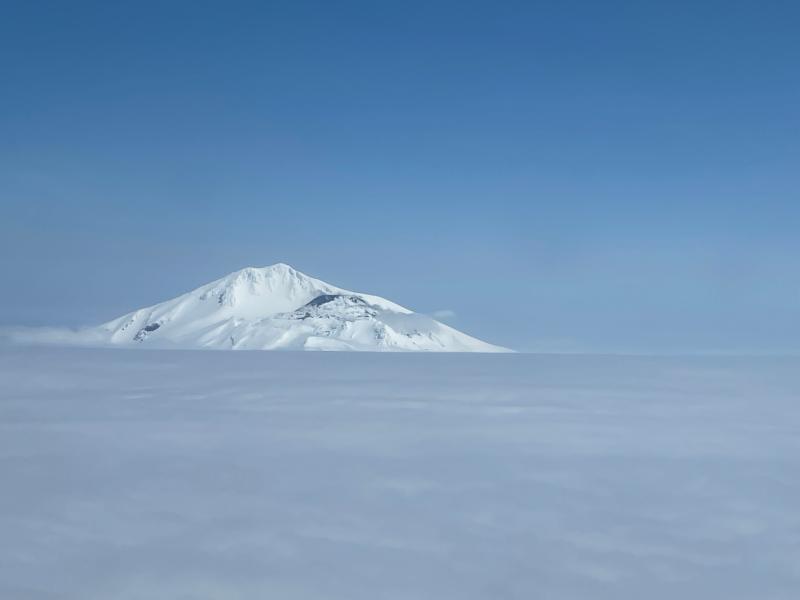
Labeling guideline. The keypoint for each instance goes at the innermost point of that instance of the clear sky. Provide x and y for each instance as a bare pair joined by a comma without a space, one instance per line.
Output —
598,176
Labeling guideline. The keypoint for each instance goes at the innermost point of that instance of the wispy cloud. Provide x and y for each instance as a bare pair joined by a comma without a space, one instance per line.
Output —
444,313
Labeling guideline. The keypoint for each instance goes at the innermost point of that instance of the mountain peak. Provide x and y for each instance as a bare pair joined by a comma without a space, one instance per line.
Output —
257,292
276,270
278,307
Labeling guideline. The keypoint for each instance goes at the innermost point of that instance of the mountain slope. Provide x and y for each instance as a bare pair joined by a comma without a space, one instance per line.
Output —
277,307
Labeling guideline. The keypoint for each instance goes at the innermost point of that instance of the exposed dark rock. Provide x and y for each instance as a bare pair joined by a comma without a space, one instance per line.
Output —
325,298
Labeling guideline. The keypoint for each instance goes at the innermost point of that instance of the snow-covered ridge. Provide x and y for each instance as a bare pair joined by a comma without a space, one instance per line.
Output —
278,307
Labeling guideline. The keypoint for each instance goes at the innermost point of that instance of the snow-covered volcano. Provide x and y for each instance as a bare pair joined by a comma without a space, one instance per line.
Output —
276,308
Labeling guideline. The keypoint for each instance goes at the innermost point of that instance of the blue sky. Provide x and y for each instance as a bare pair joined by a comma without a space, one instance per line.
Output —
616,176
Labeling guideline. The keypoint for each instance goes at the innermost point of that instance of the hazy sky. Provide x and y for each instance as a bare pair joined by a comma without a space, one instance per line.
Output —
560,175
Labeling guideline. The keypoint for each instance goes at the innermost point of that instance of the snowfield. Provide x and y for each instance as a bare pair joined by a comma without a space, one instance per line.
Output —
145,474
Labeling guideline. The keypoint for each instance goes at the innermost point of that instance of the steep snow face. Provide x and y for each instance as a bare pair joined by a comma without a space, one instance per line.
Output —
277,307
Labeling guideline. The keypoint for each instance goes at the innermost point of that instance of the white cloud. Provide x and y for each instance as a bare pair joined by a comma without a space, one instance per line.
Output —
444,313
